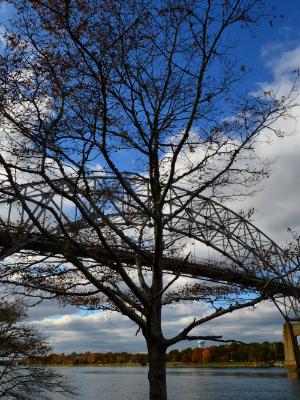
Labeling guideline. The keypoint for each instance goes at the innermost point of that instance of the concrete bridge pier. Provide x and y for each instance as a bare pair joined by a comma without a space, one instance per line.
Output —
291,349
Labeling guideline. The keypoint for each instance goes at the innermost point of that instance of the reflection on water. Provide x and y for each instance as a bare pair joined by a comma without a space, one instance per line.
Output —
294,374
110,383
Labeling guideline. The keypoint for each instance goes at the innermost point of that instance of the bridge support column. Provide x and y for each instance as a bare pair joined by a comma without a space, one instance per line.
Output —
291,348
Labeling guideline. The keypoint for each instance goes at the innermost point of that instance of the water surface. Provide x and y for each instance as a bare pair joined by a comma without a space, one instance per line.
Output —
130,383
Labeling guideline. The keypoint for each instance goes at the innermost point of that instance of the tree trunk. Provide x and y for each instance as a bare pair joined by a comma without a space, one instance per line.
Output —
157,370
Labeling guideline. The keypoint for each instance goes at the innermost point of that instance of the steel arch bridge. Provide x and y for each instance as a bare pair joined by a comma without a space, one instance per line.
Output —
250,258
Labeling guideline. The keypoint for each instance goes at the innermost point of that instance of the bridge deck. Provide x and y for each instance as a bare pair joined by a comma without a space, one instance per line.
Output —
205,269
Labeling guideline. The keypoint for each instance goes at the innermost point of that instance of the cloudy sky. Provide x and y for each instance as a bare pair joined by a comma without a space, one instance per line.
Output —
272,53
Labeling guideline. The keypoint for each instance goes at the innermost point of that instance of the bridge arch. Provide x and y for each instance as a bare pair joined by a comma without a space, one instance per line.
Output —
248,251
245,247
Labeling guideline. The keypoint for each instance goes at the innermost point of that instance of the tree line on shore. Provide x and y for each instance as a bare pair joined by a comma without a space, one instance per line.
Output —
252,352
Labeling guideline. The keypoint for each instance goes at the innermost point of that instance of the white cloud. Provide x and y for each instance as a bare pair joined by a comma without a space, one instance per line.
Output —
277,204
99,331
104,332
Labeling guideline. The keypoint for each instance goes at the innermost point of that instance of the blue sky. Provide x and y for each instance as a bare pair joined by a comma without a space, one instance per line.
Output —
271,53
268,40
256,49
265,40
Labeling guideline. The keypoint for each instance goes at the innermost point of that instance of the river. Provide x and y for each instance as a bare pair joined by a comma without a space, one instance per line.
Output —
130,383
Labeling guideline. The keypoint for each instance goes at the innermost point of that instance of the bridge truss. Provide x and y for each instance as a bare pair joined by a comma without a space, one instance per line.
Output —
33,214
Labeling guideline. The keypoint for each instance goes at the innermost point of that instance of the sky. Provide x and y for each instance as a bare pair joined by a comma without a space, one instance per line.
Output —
271,54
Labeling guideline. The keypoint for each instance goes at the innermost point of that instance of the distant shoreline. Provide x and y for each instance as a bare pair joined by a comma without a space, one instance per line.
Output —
177,365
226,365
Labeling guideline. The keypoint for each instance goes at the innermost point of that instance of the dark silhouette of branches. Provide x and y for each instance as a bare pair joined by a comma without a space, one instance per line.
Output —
18,345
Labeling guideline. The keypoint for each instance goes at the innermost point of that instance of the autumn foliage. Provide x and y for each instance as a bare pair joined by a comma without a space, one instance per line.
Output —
252,352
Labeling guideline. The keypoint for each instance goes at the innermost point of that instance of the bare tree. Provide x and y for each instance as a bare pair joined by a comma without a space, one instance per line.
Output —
18,345
92,89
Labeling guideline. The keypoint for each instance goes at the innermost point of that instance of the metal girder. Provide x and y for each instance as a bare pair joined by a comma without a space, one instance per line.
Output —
250,253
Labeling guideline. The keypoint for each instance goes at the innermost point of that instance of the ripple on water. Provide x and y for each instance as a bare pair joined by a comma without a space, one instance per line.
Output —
130,383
